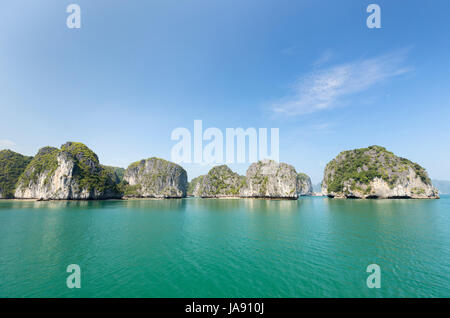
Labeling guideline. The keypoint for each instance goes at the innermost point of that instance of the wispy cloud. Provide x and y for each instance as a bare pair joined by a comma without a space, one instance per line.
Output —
6,143
324,58
325,89
322,128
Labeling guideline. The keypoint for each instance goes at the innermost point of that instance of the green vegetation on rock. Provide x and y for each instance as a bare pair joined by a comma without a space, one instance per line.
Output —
193,185
89,173
365,164
220,181
45,161
271,179
353,172
303,176
80,168
12,165
154,178
116,173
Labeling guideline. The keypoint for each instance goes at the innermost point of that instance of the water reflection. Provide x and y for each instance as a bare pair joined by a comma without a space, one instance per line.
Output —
54,205
271,206
220,205
157,205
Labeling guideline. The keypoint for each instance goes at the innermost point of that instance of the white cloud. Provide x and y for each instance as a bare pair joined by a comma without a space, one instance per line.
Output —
6,143
325,89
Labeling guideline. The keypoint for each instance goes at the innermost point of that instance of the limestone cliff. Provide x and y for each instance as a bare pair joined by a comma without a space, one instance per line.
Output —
155,178
70,173
220,182
270,179
374,172
12,165
304,185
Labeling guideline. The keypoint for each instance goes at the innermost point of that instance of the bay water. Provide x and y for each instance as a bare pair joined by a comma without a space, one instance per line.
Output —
313,247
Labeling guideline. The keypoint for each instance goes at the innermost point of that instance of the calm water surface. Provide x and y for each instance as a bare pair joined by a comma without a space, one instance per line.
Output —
313,247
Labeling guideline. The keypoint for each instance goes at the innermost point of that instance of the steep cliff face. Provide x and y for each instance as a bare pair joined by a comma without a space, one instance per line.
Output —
374,172
220,182
304,185
155,178
70,173
12,165
270,179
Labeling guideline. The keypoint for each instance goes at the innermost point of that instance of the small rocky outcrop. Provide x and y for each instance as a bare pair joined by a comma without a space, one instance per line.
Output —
220,182
70,173
304,185
155,178
12,165
374,172
193,186
270,179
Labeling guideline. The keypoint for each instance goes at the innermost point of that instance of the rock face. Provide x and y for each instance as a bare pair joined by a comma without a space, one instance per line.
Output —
155,178
220,182
12,165
270,179
70,173
374,172
304,185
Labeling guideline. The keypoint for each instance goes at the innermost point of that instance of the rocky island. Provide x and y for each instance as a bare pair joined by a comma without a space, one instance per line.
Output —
270,179
74,172
154,178
70,173
264,179
220,182
376,173
304,185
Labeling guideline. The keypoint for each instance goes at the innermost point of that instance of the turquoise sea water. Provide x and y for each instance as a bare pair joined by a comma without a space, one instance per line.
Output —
313,247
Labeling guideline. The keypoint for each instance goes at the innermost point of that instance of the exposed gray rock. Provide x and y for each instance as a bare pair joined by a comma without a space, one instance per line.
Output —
304,185
72,173
220,182
155,178
374,172
270,179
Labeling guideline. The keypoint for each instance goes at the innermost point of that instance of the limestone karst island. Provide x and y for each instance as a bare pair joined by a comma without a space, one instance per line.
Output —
74,172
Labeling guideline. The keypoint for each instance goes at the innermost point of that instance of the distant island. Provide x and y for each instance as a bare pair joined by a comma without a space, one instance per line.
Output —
442,185
73,172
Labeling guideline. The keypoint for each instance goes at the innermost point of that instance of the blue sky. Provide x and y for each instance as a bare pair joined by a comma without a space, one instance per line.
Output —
135,71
